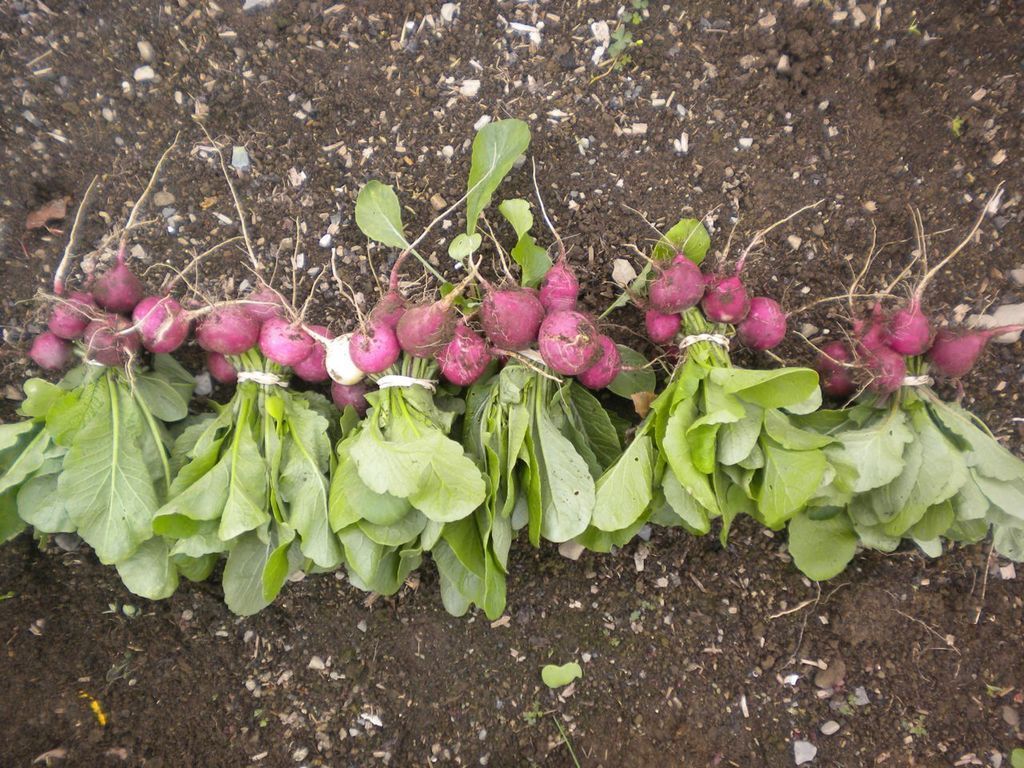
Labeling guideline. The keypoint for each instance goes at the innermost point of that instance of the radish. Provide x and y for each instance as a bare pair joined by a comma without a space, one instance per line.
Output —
764,326
350,394
661,328
50,352
559,289
603,372
220,368
264,304
313,368
118,289
678,287
511,317
835,374
111,341
725,300
375,348
284,342
425,329
229,329
162,324
888,369
339,363
465,358
954,352
70,316
909,331
389,309
569,342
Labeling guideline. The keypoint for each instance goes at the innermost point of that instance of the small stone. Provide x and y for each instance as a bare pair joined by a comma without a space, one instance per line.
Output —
204,384
570,549
300,754
162,199
448,11
448,151
803,752
361,626
1011,716
829,727
316,663
469,88
438,203
1007,572
860,697
832,676
794,241
146,52
997,159
746,142
767,21
255,5
144,74
69,542
325,241
240,159
784,66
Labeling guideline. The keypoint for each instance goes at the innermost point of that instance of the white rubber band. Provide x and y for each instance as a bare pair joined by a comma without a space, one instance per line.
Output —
917,381
264,378
397,380
714,338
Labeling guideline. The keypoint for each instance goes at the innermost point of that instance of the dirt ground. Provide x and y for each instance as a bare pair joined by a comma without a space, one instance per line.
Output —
692,654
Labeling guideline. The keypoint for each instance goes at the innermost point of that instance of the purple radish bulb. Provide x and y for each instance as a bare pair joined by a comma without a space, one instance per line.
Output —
111,341
229,329
220,368
425,329
725,300
836,380
50,352
661,328
264,304
954,353
511,317
350,395
603,372
389,309
284,342
909,331
313,367
465,358
162,324
118,289
375,348
70,316
569,342
679,286
559,289
764,327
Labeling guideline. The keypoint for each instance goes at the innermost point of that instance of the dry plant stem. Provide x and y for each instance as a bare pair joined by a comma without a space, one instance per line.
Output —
499,250
122,246
62,268
524,360
863,270
760,235
234,196
984,586
309,297
345,290
544,212
295,261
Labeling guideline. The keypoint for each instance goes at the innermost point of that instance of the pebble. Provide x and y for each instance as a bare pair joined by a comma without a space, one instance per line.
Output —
1011,716
255,5
204,384
448,11
448,151
300,754
829,727
146,52
860,697
746,142
325,241
240,159
469,88
794,241
316,663
438,203
1008,314
804,752
162,199
784,66
144,74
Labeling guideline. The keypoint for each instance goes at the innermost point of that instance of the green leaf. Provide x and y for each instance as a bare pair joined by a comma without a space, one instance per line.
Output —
27,461
1017,758
150,572
517,213
40,395
641,379
596,425
688,236
790,480
304,483
1009,541
40,505
676,449
256,569
379,214
555,676
691,514
106,487
451,486
398,534
625,490
164,390
532,260
776,388
495,149
10,523
785,433
738,439
936,521
245,507
463,245
567,489
875,452
12,434
821,549
350,500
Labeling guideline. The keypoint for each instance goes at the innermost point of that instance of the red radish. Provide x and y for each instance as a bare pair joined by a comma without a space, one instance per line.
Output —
678,287
909,332
559,289
954,352
313,368
162,324
389,309
511,317
425,329
70,316
831,365
603,372
264,304
220,368
374,349
888,369
229,329
465,358
50,352
284,342
764,326
872,333
661,328
118,289
725,300
569,342
350,394
111,341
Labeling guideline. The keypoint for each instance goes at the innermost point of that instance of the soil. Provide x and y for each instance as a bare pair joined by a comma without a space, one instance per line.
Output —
692,654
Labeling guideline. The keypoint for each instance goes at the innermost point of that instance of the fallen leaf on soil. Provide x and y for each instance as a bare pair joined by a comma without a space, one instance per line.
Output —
642,402
51,211
555,676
